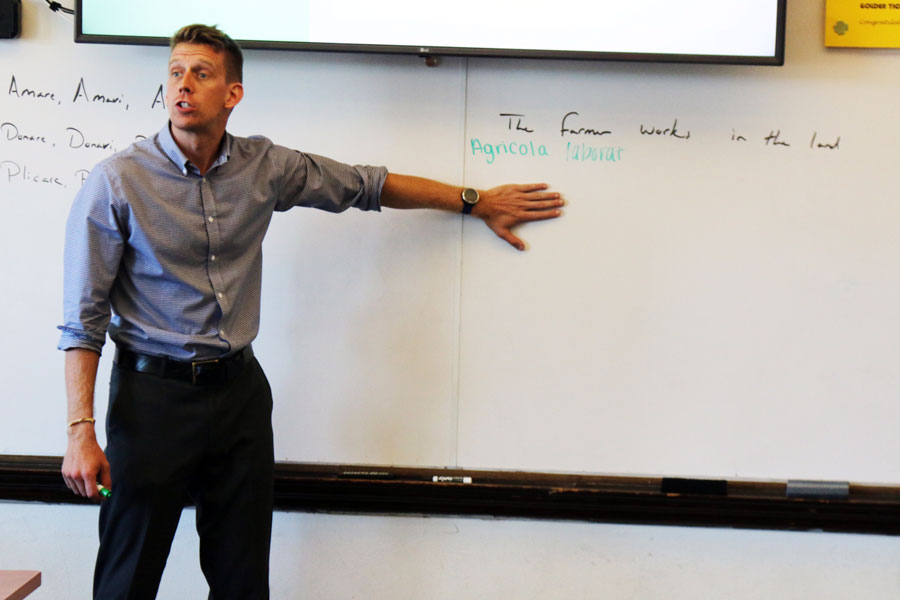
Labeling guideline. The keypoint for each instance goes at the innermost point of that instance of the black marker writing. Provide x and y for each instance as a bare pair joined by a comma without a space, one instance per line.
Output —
11,132
77,140
668,131
835,146
160,97
81,92
28,93
564,128
774,139
82,174
16,172
518,118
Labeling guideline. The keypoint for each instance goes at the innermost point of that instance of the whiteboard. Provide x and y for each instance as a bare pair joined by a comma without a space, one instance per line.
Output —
718,304
349,300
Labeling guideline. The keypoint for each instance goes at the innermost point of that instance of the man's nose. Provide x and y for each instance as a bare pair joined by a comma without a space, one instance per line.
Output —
186,83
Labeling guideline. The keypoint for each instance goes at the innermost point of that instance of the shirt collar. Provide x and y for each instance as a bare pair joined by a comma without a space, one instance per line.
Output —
171,149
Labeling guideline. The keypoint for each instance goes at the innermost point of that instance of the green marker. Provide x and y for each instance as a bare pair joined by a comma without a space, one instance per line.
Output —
103,491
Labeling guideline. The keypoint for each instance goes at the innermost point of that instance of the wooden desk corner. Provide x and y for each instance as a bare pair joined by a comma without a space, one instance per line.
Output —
15,585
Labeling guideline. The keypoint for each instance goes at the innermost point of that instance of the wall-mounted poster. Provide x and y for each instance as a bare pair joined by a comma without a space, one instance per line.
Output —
851,23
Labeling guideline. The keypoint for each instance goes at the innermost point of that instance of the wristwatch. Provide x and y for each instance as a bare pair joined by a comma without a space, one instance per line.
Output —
470,199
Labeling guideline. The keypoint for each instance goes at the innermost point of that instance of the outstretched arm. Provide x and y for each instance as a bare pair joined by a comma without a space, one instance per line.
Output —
501,208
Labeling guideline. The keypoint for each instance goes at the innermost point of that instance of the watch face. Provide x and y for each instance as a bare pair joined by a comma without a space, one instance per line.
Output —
470,196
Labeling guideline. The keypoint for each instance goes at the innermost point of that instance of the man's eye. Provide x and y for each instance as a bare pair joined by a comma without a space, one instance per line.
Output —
174,74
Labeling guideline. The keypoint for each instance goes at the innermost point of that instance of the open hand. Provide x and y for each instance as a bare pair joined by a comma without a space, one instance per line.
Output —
504,207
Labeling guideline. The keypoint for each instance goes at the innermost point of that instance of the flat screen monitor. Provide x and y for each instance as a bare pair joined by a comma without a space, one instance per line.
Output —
706,31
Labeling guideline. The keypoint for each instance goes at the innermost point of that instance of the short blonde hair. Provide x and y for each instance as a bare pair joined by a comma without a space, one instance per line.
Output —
210,35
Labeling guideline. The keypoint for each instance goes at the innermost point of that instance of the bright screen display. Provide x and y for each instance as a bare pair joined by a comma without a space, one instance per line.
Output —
735,31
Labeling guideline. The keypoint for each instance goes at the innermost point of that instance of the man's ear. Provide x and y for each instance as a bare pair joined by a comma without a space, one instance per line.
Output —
235,93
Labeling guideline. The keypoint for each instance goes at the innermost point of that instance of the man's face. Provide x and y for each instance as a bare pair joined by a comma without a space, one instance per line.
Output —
198,96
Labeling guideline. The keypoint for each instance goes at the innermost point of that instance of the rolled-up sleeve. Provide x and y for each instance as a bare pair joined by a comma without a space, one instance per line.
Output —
93,250
320,182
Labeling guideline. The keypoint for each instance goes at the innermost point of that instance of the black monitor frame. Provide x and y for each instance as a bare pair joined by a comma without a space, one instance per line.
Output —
777,59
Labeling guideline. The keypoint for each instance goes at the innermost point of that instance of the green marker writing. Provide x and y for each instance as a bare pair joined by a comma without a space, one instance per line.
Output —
103,491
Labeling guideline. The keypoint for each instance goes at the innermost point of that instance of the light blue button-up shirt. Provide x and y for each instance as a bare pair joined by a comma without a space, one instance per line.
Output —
169,261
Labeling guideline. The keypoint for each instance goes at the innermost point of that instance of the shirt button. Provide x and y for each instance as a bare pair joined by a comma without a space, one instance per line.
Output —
210,219
213,258
221,295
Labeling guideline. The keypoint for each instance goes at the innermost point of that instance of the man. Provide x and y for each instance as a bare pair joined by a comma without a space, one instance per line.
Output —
167,236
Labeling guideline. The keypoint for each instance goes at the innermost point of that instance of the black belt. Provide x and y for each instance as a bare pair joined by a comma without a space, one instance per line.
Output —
198,372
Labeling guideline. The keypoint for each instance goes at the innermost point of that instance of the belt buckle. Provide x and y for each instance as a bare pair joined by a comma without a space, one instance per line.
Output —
197,367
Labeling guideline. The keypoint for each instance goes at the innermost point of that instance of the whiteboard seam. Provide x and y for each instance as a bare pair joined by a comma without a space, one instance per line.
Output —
456,375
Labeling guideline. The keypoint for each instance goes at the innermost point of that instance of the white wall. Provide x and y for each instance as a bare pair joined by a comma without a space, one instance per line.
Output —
329,557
